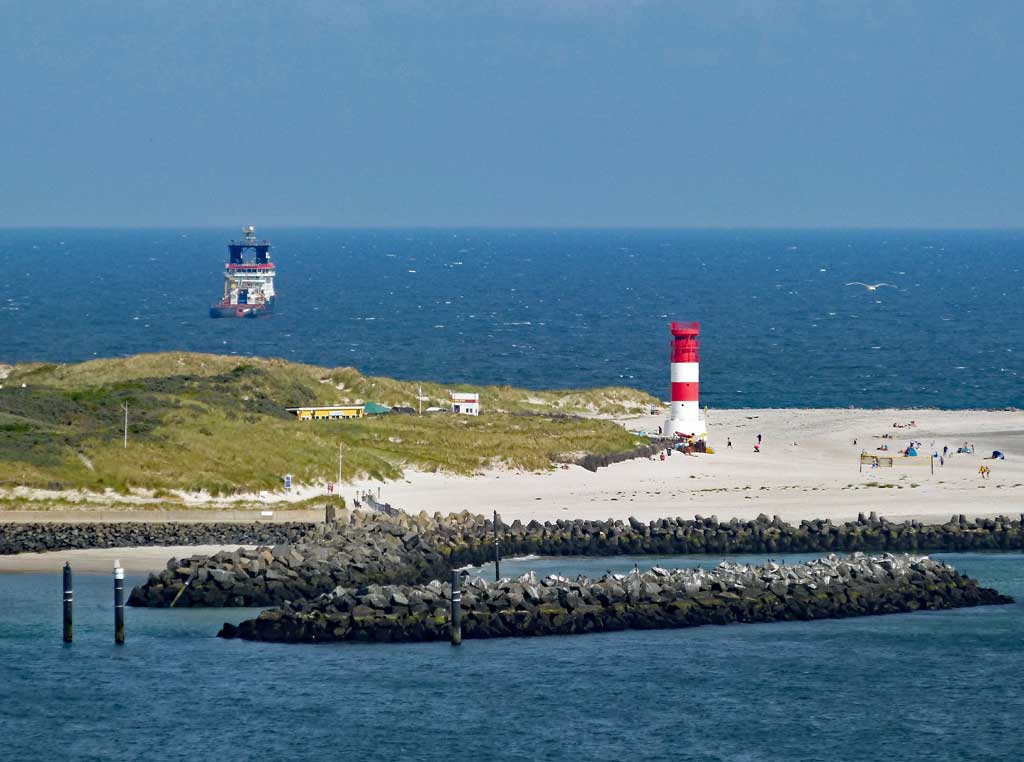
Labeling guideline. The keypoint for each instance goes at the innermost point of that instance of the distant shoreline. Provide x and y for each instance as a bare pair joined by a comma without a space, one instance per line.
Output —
7,365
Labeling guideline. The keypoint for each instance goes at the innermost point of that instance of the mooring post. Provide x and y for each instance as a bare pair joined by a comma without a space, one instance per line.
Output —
68,598
497,550
456,617
118,603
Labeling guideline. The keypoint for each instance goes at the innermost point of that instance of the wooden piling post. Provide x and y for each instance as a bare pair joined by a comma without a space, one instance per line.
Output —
68,602
497,550
118,604
456,616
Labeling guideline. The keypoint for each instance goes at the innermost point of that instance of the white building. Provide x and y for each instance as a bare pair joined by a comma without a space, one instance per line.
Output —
465,403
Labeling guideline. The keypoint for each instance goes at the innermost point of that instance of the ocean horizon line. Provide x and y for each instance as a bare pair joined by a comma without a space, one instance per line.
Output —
531,228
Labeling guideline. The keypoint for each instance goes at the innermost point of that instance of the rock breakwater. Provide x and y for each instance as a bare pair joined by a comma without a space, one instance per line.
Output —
830,587
42,537
370,548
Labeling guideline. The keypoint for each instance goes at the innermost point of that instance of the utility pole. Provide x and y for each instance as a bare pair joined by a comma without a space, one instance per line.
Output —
341,456
419,396
126,425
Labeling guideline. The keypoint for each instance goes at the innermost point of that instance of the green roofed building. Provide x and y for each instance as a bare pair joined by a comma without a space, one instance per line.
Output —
374,408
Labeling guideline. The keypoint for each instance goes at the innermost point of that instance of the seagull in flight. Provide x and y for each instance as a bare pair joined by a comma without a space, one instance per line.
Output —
869,286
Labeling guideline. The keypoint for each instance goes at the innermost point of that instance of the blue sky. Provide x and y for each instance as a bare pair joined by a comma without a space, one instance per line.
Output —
516,113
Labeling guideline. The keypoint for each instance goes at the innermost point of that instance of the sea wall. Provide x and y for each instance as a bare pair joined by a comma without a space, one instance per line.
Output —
592,462
471,536
370,548
41,537
826,588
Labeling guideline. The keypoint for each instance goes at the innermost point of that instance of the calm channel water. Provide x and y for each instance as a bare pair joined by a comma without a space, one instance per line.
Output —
935,686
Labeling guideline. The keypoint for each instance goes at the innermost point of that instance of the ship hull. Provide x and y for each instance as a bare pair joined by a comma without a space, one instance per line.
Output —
242,310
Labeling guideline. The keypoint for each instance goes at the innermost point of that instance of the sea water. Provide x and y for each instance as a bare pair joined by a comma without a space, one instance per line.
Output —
556,308
939,686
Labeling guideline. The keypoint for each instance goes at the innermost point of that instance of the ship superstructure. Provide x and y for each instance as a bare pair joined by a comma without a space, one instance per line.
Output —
248,282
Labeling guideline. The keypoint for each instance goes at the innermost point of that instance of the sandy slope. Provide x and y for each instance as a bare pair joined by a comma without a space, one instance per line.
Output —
101,560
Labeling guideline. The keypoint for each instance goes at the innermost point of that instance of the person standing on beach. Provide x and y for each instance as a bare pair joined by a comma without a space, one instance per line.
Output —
728,442
759,439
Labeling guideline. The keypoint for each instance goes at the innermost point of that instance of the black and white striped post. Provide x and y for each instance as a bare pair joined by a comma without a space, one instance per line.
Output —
456,616
118,604
68,602
497,550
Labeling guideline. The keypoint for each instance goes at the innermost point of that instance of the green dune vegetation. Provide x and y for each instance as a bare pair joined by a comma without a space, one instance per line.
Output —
215,423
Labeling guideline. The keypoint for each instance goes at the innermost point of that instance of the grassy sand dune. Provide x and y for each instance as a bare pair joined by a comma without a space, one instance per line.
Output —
219,424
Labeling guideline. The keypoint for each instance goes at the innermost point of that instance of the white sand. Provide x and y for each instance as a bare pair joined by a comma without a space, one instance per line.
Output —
101,560
36,511
808,467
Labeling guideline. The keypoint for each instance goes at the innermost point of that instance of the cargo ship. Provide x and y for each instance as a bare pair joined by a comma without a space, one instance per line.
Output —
248,282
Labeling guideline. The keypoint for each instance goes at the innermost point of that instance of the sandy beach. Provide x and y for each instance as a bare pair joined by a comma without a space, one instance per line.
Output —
101,560
808,467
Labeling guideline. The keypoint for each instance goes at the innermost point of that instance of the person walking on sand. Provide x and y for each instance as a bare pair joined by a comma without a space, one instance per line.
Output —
759,439
728,442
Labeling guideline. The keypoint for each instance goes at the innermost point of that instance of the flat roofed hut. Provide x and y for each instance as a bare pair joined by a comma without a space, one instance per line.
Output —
465,403
327,412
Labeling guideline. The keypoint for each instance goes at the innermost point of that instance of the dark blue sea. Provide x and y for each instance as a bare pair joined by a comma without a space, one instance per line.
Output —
556,308
938,686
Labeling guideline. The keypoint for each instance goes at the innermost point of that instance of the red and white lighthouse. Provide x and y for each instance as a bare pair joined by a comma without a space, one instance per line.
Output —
684,416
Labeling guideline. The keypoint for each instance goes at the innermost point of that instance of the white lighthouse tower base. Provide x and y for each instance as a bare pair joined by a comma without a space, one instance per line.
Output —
692,425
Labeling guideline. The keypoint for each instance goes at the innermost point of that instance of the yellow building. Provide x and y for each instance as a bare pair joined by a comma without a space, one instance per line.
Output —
327,412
